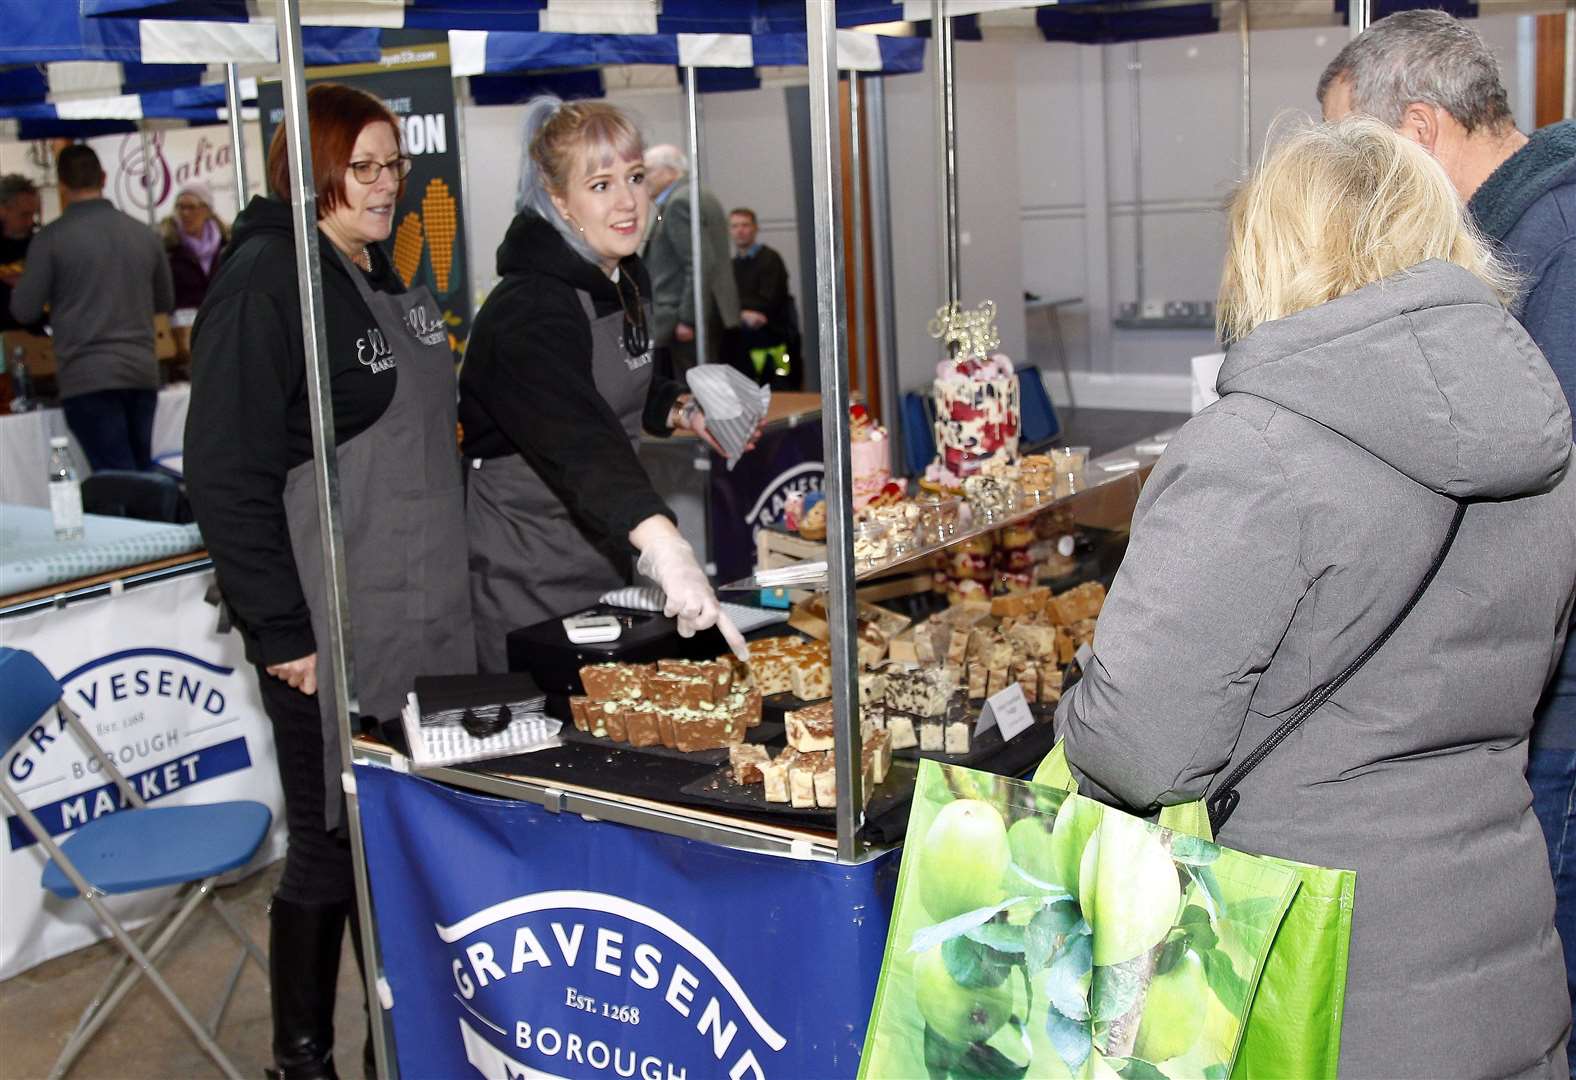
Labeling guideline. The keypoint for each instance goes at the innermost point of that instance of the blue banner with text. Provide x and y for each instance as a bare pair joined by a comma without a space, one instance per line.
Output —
522,943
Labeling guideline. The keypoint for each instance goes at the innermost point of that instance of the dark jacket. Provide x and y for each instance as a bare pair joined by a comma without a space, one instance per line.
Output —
191,280
762,280
248,424
1529,206
527,386
668,256
1281,531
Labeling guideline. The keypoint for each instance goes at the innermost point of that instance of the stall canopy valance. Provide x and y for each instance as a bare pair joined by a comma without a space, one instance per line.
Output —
639,17
481,52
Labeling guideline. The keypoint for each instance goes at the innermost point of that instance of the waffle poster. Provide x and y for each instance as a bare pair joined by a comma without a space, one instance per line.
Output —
428,242
518,942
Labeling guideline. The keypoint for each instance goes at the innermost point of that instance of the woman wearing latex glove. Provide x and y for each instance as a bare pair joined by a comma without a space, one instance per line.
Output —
557,387
667,559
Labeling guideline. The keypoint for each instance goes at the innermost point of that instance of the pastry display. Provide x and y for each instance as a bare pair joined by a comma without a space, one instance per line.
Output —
977,417
812,524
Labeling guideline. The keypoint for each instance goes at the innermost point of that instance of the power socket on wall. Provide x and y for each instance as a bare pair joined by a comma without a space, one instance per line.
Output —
1166,315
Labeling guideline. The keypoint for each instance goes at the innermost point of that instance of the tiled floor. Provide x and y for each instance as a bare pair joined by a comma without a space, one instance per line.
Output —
144,1040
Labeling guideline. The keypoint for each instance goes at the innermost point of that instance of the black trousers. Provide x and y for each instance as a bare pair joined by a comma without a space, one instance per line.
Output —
114,427
318,865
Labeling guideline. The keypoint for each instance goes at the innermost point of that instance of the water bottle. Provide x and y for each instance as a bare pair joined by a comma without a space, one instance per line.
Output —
21,382
65,491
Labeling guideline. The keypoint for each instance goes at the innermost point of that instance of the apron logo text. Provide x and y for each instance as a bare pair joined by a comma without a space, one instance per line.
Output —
373,350
425,327
635,363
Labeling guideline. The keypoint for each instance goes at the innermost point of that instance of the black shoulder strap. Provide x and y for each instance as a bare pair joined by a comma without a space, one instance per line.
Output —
1224,801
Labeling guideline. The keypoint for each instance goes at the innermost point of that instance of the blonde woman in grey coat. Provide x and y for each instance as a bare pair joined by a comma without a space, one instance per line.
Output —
1372,372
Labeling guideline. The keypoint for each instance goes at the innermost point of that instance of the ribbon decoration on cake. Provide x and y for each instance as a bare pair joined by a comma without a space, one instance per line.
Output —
734,405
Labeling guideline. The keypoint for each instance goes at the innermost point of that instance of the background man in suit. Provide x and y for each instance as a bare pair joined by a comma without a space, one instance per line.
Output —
668,259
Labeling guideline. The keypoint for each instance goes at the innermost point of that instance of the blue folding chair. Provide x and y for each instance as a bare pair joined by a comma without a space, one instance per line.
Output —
128,851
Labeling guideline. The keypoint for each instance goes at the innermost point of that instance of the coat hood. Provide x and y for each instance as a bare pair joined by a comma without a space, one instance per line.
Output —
533,246
1427,372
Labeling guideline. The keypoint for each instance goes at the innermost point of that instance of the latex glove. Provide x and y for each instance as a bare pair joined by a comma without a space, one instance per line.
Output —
667,559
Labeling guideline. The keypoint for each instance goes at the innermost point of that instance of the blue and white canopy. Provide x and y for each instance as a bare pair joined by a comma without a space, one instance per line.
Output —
483,52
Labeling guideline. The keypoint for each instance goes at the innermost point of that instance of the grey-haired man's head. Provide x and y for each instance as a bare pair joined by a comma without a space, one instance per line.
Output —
1436,81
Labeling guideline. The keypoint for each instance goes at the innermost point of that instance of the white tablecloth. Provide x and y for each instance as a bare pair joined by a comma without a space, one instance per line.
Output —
31,557
24,445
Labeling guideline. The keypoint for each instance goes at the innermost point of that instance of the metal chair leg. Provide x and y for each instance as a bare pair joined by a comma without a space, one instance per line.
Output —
146,936
252,950
144,966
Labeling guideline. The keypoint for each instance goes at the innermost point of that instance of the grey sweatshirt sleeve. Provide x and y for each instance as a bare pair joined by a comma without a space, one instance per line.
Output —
32,291
1207,588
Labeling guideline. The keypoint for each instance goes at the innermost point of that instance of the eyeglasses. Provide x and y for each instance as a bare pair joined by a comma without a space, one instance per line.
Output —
367,172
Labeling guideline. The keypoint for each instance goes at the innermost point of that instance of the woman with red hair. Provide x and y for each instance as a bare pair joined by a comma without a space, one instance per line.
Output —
249,472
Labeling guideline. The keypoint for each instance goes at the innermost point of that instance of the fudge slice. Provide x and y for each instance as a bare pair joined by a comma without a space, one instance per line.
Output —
640,724
925,692
811,680
810,729
614,682
709,728
770,665
748,762
579,712
744,706
774,775
801,779
878,756
824,781
956,739
901,729
1035,640
931,736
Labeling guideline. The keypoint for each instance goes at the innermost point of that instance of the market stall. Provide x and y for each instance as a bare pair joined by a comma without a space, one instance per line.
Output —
477,881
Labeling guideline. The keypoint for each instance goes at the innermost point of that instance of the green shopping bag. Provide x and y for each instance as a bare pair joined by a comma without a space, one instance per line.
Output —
1037,933
1294,1023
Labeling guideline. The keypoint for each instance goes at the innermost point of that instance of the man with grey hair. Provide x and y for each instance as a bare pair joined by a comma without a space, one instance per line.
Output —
1436,82
669,260
18,223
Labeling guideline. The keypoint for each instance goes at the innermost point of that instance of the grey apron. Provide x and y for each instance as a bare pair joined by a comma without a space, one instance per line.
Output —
529,560
401,501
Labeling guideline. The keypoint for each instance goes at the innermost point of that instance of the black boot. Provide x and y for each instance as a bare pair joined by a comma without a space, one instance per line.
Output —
369,1065
303,961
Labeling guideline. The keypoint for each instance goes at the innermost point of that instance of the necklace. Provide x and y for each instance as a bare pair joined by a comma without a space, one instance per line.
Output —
363,259
637,337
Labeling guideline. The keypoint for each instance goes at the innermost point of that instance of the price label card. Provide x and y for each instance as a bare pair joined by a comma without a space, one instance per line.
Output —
1008,710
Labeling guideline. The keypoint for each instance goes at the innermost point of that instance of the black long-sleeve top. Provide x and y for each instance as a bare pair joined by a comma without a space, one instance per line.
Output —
762,279
248,424
527,386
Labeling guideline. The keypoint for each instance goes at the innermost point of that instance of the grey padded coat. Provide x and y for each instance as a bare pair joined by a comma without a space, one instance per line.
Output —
1282,530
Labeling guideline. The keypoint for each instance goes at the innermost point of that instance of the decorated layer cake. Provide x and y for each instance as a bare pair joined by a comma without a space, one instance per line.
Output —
870,455
976,398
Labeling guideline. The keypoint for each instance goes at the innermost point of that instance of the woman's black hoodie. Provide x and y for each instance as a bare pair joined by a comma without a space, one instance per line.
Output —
527,386
248,425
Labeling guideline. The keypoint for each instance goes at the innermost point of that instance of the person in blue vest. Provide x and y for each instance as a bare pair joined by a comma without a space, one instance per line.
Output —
1433,79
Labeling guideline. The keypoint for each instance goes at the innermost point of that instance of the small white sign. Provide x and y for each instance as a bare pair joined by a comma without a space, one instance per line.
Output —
1083,656
1008,710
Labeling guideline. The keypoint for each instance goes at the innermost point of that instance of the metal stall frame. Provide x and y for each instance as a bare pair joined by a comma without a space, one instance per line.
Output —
234,107
697,250
947,129
326,475
826,182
